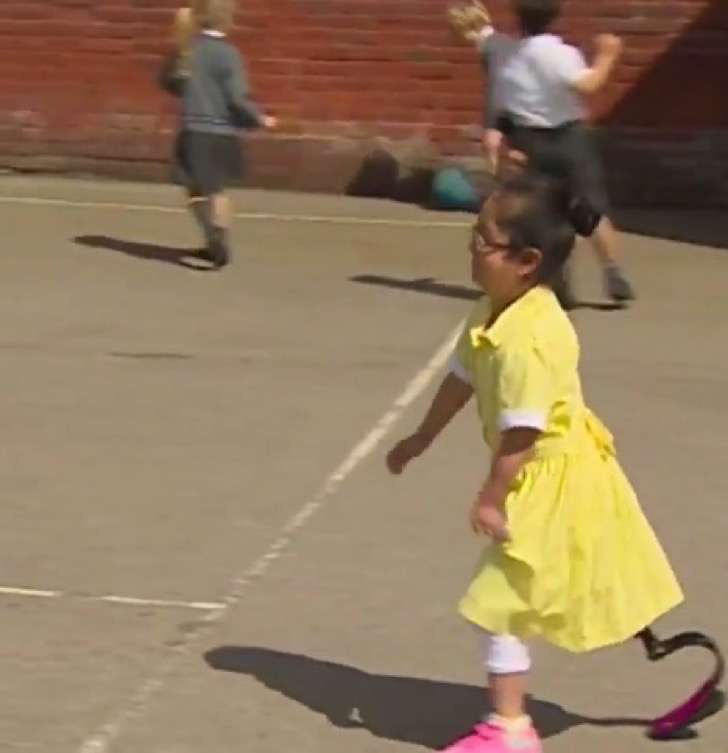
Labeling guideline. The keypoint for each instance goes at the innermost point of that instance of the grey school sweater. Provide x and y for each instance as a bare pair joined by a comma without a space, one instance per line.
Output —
495,51
214,89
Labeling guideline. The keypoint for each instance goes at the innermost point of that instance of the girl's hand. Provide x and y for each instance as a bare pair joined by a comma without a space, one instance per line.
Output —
488,515
489,519
405,451
269,122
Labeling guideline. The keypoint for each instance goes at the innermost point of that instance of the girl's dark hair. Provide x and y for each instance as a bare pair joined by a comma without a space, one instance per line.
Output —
535,16
536,212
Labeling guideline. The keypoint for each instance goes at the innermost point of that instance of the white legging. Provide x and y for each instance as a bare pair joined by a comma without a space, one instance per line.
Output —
504,654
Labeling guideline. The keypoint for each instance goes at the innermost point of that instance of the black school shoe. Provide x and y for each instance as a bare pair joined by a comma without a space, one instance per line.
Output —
218,250
617,285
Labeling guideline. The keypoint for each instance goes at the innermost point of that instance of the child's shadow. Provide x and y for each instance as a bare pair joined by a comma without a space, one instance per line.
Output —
406,709
432,287
178,256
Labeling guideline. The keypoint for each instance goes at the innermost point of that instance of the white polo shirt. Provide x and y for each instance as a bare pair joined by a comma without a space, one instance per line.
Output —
535,82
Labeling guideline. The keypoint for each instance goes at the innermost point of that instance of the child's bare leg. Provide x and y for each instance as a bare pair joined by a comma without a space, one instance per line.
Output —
508,694
201,211
507,727
221,210
508,662
605,242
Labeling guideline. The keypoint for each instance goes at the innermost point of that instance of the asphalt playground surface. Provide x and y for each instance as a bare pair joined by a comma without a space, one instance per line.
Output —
200,549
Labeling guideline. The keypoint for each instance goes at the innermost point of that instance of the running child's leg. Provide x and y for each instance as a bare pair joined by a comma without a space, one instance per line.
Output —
605,243
221,217
507,729
199,206
508,662
589,182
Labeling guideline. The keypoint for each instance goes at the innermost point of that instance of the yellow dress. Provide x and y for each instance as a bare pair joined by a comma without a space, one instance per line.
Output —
583,568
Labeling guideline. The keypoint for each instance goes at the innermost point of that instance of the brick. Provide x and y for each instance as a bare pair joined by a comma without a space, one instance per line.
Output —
348,72
27,11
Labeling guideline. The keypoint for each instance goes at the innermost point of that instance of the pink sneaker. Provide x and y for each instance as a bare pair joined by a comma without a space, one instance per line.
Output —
491,737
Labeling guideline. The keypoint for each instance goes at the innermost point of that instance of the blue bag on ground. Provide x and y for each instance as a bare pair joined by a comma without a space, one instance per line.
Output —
452,189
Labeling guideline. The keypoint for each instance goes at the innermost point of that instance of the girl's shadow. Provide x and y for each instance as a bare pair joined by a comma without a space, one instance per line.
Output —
406,709
149,251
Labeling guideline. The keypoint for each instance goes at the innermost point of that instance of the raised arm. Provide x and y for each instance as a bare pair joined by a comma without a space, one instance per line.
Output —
608,51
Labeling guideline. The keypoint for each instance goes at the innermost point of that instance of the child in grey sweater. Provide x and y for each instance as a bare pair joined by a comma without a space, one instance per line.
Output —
471,22
210,79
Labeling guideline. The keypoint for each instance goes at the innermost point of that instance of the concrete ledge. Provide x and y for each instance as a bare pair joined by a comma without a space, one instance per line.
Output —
676,169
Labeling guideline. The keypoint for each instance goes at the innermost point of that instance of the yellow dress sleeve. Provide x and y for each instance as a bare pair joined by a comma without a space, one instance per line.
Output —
525,388
461,361
462,357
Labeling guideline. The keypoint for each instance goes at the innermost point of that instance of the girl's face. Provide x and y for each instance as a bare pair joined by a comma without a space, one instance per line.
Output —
496,268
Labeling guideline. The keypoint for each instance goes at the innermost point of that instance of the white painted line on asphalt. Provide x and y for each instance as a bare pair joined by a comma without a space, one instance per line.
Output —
322,219
163,603
29,592
137,705
205,606
34,201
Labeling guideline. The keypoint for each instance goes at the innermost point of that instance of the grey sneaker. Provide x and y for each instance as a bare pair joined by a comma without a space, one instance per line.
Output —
618,288
219,249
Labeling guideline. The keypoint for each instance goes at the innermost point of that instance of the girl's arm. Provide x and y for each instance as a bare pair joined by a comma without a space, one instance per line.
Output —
488,513
237,93
451,398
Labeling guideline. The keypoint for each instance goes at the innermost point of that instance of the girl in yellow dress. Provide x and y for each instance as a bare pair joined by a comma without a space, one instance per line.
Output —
573,560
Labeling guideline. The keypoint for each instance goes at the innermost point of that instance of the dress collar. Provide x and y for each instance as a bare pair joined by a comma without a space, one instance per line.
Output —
512,318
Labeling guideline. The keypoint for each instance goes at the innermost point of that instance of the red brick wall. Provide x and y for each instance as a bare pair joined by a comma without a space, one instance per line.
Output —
77,88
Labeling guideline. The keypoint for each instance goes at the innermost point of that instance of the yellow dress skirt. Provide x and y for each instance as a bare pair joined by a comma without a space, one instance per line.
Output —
583,569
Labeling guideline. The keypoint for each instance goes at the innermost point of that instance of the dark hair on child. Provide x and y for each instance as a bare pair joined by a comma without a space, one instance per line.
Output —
535,16
537,212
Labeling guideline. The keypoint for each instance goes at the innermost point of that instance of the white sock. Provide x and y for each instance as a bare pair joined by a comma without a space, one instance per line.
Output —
510,724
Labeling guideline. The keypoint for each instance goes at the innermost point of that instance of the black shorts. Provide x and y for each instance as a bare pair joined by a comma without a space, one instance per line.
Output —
567,153
207,163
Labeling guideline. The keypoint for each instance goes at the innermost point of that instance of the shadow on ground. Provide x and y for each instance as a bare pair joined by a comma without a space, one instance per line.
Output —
422,712
430,286
181,257
421,285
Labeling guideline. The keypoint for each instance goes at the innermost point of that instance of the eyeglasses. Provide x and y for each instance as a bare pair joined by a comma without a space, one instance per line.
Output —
484,246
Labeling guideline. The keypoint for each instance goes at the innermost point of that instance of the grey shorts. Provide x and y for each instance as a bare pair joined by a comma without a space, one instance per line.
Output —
566,153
